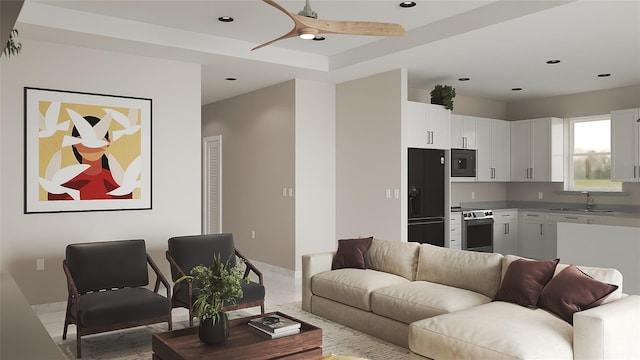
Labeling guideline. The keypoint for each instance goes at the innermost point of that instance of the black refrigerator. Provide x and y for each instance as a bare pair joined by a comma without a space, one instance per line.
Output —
426,176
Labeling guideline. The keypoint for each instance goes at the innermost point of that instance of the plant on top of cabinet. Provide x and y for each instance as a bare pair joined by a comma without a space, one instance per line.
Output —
443,95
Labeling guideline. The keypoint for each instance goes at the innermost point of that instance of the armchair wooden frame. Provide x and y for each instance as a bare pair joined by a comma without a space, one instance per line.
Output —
75,297
230,307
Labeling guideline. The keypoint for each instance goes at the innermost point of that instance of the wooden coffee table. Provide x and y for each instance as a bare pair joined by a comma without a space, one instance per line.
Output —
184,344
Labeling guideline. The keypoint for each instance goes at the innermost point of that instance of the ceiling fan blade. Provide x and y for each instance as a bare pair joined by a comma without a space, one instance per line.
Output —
308,25
290,34
369,28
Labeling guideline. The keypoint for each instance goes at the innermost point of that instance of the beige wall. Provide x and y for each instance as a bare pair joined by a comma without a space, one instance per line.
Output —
175,159
278,137
466,105
469,192
575,105
370,156
258,161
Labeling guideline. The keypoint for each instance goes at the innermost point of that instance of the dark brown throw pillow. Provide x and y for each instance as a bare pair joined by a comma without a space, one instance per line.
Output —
524,280
350,253
571,291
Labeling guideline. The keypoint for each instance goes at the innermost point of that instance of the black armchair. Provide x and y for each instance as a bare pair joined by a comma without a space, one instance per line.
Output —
107,288
186,252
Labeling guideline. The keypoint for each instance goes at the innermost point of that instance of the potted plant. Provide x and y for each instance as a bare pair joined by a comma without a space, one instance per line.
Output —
13,46
217,285
443,95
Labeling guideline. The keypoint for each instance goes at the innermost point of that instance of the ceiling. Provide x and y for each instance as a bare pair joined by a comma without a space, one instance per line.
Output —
499,45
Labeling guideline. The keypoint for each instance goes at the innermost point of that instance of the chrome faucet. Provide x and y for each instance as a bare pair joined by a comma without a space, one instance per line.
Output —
589,200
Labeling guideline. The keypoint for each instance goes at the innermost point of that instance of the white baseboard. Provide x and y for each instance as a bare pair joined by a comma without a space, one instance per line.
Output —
276,269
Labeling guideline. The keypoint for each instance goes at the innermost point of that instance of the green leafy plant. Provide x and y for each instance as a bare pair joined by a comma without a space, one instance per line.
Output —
13,47
218,284
443,95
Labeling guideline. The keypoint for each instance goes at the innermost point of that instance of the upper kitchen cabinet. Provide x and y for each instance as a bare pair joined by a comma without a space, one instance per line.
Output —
625,145
493,155
428,126
537,151
463,132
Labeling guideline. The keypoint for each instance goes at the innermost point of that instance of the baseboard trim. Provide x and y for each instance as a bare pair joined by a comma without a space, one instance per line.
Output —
276,269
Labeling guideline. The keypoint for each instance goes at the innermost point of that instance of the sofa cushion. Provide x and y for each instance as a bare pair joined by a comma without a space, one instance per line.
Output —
352,286
524,280
497,330
470,270
607,275
350,253
399,258
571,291
419,299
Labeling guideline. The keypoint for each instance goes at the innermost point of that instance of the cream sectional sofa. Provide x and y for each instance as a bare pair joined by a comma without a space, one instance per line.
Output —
438,302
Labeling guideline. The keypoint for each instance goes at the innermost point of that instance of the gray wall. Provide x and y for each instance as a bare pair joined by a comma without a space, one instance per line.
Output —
175,159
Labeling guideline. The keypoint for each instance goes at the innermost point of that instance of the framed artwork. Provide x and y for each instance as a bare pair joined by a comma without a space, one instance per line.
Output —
86,152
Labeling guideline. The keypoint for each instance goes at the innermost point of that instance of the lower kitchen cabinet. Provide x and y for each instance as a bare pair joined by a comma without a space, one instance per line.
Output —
455,233
505,232
538,236
532,235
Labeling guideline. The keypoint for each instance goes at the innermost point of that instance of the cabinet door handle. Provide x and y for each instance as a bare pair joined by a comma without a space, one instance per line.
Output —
531,173
540,229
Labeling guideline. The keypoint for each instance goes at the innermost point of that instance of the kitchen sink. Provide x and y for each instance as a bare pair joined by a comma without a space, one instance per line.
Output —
583,210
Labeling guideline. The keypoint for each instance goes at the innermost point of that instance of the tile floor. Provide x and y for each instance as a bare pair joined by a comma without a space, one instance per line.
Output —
281,288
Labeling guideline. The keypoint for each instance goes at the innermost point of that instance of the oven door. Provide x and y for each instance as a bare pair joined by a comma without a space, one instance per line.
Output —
477,235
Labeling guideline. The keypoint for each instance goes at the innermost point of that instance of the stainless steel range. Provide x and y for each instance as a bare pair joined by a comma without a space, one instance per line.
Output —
477,230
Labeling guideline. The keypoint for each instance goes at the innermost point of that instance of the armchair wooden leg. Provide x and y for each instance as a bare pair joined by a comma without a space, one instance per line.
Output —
262,309
78,344
64,331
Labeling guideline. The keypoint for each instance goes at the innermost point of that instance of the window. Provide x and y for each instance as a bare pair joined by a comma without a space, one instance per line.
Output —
590,155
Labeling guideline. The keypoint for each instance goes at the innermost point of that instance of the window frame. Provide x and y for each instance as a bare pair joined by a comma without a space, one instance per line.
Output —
569,178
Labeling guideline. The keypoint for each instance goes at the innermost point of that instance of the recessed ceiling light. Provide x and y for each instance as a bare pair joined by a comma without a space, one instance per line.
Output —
407,4
230,79
464,79
225,19
516,89
318,38
604,75
553,61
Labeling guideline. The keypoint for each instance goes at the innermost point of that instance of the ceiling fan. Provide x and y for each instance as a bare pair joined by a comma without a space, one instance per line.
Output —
307,26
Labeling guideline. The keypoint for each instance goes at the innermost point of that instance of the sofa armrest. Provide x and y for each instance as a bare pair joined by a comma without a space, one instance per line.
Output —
609,331
313,264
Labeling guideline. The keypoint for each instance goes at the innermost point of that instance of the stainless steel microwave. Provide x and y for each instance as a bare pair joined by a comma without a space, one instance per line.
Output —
463,163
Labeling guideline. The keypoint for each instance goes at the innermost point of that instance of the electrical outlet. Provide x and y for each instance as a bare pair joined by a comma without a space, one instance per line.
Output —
387,193
539,195
253,234
473,195
39,264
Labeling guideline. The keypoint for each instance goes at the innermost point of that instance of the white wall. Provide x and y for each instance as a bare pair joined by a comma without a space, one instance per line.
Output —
315,165
174,88
371,157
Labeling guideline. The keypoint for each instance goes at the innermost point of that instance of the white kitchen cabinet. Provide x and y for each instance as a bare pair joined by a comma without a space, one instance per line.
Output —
550,242
625,145
428,126
537,150
505,232
531,235
455,233
463,132
493,155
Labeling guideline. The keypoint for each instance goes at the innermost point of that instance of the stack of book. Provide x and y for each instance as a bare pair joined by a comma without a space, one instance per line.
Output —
274,326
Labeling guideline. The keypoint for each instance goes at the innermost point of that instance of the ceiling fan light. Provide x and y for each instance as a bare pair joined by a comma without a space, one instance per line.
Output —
307,33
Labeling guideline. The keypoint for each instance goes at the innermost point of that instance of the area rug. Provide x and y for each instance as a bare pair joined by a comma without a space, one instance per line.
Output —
134,344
